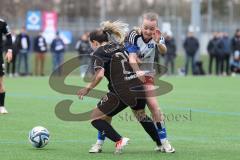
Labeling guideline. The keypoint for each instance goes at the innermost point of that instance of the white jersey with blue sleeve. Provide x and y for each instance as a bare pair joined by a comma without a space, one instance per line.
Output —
145,50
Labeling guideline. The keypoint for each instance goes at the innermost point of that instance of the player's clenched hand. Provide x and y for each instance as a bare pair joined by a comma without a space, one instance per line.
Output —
8,56
82,92
157,35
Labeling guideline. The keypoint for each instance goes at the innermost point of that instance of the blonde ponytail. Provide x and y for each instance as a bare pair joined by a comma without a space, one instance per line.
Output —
117,30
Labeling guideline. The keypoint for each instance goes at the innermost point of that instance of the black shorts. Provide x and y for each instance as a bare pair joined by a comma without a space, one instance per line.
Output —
2,66
111,104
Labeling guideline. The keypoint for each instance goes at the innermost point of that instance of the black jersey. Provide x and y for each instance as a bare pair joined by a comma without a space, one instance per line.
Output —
114,59
4,30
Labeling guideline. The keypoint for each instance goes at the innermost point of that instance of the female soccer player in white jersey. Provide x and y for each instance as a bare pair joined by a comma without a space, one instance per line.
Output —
141,44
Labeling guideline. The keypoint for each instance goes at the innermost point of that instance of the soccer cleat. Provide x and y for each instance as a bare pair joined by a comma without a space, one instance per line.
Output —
3,110
165,147
96,148
121,144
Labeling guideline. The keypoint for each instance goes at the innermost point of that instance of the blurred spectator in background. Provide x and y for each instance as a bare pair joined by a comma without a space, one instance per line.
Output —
191,46
11,66
235,62
23,46
57,49
235,43
40,47
225,56
157,59
199,71
171,52
214,50
84,49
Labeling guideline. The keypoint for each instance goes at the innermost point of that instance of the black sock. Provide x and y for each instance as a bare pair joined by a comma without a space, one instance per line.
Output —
105,127
2,99
150,128
159,126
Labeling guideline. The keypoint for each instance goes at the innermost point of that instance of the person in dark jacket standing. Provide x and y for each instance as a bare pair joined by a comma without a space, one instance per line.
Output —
4,30
226,52
235,62
214,48
84,49
40,47
23,47
191,46
171,52
235,42
57,49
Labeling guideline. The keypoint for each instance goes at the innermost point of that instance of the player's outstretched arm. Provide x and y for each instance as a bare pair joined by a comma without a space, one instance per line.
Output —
133,59
99,74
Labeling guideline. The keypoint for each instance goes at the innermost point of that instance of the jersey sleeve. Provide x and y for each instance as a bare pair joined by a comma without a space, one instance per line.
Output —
131,42
6,29
97,63
98,60
7,33
132,37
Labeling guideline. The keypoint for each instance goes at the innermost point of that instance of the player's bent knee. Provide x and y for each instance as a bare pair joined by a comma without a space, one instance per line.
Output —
107,118
97,114
139,114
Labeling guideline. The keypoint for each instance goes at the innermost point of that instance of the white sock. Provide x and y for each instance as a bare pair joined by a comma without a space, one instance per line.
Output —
100,142
163,140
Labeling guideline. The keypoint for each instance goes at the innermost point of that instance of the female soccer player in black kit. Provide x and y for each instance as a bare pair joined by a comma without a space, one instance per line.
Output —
111,60
4,30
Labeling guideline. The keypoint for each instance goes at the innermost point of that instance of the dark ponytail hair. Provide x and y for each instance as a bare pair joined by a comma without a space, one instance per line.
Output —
99,36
